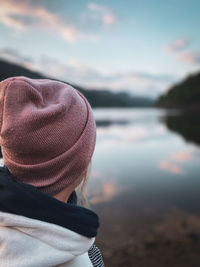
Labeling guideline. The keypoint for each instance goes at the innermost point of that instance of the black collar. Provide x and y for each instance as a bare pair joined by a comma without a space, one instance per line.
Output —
26,200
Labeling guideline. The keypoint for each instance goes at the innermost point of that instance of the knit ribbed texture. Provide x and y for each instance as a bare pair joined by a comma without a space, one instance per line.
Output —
48,132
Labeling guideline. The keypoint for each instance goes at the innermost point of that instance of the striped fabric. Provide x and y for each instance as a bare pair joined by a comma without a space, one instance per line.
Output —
95,256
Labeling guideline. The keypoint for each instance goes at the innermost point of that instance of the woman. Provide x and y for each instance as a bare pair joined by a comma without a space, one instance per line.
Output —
47,138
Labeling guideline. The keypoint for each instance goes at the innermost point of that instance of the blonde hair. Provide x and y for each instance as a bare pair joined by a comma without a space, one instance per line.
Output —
82,189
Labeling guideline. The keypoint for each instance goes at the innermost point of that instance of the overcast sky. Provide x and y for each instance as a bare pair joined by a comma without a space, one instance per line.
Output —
140,46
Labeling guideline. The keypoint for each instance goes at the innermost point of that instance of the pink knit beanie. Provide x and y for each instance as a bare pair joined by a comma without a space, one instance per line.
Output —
47,132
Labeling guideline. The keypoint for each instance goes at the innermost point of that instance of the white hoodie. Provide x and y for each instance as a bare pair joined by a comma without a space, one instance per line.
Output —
26,241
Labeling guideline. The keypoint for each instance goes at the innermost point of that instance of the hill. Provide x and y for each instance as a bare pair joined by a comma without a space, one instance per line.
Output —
184,95
97,98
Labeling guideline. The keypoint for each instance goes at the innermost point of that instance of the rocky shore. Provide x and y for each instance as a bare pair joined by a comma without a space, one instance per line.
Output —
150,238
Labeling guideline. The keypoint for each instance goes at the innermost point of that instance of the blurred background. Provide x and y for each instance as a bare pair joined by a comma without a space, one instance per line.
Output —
138,64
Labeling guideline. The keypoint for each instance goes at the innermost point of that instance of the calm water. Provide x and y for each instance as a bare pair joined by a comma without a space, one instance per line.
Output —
145,187
146,156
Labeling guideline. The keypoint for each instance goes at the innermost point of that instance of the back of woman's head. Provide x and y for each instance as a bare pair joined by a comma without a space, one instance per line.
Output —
48,132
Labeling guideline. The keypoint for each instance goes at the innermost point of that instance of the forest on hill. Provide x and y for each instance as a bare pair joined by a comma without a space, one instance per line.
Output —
184,95
97,98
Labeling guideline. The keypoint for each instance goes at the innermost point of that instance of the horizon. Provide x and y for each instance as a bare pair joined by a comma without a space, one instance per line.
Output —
142,48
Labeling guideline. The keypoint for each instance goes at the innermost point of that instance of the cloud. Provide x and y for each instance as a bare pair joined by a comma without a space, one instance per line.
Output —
178,45
106,15
172,164
106,191
125,134
177,48
171,167
190,57
102,189
74,71
109,19
13,55
182,156
97,7
133,82
24,15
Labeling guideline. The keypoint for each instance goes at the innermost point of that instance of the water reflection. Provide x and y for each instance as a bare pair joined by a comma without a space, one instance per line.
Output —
187,126
106,123
145,187
104,193
171,167
138,149
141,153
173,162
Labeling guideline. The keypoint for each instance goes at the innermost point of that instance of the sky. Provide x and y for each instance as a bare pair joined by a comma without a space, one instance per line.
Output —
138,46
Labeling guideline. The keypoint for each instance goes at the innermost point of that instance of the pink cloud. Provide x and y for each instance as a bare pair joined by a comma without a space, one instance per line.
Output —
22,15
176,48
177,45
171,167
190,57
96,174
109,19
182,156
177,157
106,192
106,15
90,78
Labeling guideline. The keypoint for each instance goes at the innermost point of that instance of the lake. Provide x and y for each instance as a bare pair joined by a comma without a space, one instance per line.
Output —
145,181
145,186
